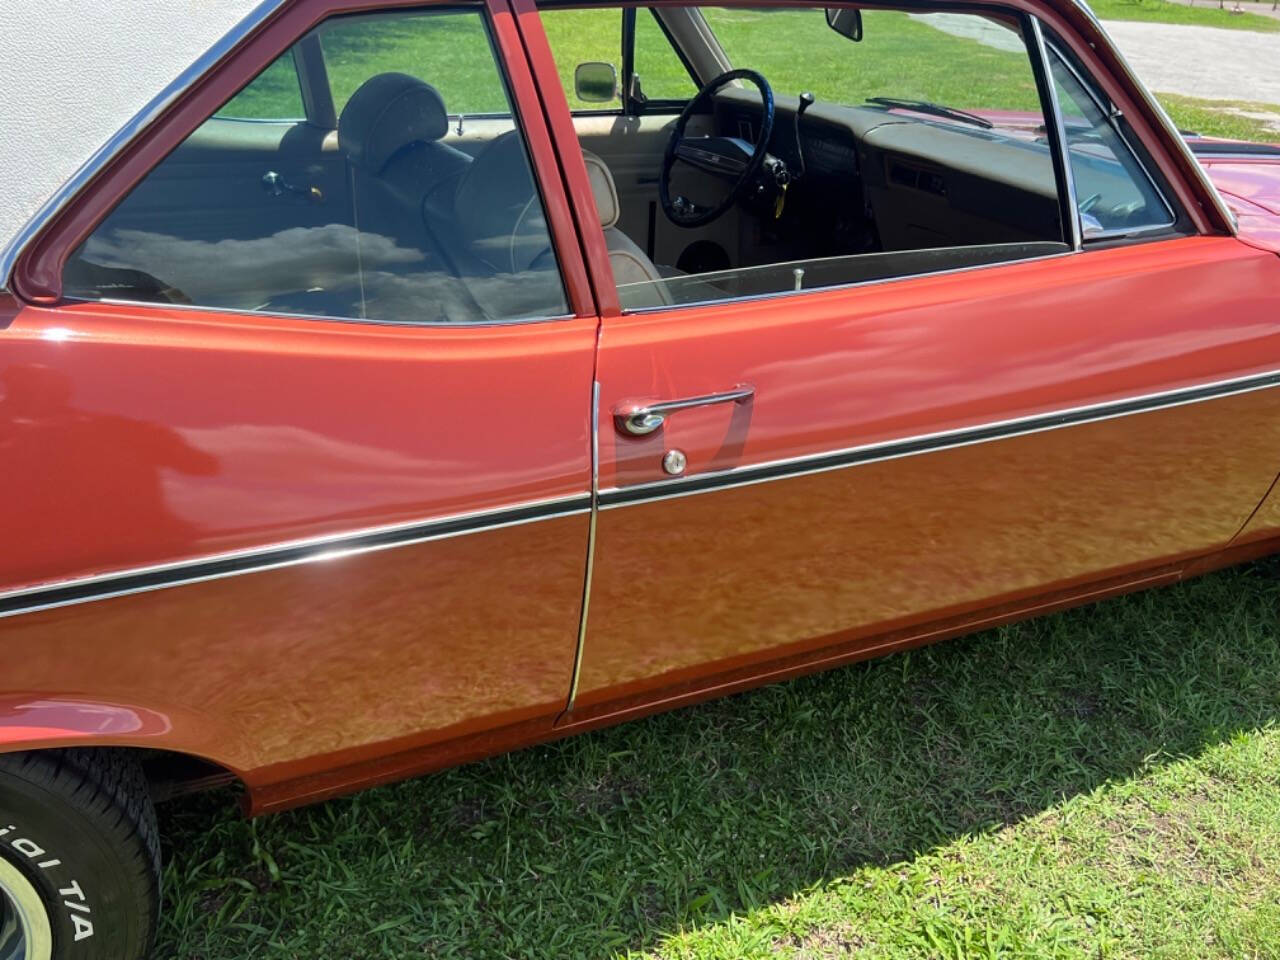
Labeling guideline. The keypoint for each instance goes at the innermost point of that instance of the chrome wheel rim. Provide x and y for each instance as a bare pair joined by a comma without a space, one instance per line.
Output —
25,933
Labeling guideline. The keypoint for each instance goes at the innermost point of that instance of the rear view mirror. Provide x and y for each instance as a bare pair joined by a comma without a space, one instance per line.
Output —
845,21
595,82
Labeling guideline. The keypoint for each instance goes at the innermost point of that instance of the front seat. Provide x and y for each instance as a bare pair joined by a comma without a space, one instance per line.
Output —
631,267
504,232
402,177
390,130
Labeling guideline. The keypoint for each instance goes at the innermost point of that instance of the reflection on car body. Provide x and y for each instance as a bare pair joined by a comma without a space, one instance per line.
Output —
385,398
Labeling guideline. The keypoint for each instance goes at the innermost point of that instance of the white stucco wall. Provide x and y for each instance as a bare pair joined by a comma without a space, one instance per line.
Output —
72,72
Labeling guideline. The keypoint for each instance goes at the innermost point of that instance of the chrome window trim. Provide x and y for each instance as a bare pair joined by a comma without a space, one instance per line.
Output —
287,553
286,121
844,458
125,135
394,324
591,546
1162,117
1044,68
1237,157
853,285
1163,231
1109,111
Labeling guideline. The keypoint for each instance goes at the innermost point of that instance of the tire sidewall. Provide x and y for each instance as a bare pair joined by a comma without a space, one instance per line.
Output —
79,875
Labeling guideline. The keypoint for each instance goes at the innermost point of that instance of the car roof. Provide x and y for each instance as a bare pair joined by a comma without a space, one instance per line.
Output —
74,74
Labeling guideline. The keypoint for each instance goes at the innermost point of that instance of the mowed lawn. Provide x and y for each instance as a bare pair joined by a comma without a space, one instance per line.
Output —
800,54
1100,783
1205,13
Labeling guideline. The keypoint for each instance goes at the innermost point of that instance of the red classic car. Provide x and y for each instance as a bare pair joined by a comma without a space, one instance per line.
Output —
394,389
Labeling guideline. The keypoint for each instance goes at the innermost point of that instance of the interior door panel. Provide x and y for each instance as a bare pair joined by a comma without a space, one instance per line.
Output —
218,173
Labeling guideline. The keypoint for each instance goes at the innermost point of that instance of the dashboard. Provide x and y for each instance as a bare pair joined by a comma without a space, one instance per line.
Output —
909,182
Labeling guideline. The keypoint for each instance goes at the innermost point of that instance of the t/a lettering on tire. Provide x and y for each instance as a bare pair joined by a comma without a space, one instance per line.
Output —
79,857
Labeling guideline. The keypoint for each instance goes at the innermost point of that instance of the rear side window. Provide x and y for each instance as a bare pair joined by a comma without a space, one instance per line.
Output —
274,94
453,55
392,220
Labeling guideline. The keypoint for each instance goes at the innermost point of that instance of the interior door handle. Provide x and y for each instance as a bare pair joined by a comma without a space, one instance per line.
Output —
640,419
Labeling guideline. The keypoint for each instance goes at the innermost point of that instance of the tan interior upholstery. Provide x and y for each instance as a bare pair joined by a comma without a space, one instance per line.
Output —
630,265
602,188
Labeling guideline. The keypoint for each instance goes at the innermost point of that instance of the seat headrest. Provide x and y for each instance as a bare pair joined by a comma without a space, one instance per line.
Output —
497,207
602,188
389,112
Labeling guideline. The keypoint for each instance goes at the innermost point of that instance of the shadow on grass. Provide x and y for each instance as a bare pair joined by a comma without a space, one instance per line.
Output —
612,840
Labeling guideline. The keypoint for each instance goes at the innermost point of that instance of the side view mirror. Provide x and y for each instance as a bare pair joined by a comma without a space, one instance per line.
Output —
845,21
595,82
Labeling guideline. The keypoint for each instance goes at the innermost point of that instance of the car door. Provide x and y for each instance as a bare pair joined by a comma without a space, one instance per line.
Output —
313,493
804,476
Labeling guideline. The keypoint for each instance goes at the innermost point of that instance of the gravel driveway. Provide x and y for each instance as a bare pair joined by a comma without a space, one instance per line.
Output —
1206,62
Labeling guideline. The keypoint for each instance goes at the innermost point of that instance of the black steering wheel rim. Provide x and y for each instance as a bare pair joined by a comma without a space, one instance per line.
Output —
753,165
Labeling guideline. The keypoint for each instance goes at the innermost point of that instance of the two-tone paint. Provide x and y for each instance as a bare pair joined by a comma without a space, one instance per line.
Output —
326,554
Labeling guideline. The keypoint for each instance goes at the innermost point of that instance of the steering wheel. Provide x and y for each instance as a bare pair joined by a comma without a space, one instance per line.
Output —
729,158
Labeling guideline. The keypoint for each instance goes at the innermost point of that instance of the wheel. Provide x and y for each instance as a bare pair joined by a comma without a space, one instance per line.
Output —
79,857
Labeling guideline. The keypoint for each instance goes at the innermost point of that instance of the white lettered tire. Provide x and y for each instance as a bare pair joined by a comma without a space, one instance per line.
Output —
79,857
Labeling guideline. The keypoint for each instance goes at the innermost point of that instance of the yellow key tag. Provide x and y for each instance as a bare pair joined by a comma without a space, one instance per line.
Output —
780,202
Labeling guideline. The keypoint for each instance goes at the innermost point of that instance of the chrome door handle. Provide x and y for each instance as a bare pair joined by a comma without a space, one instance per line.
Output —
640,419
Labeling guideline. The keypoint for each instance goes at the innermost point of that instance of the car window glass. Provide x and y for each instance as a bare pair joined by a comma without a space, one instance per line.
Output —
583,36
663,76
274,94
923,148
454,56
962,60
395,219
595,34
1114,194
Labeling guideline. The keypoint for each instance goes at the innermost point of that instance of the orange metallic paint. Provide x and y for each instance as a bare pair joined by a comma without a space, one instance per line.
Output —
563,212
1250,185
154,434
422,643
151,434
147,434
746,571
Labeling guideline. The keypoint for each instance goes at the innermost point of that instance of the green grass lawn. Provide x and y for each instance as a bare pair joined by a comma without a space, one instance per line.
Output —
1225,118
899,57
1099,783
1205,13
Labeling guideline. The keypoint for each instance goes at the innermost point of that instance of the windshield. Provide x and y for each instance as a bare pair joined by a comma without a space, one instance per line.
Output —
949,67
